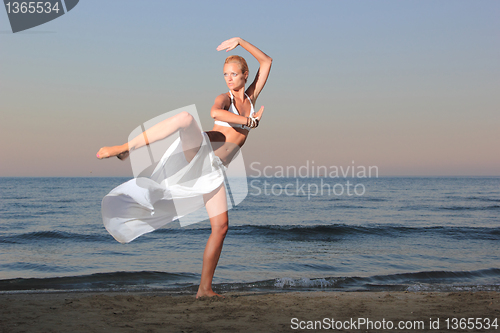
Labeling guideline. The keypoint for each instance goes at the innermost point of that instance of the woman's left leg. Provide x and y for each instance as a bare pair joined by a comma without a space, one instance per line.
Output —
216,206
190,133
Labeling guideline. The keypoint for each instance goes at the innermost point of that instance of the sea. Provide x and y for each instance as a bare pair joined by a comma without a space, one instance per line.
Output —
289,234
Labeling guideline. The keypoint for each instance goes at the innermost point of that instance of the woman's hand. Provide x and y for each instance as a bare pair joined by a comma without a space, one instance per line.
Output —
253,121
229,44
258,115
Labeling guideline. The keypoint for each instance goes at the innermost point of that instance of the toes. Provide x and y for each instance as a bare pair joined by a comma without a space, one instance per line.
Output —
102,153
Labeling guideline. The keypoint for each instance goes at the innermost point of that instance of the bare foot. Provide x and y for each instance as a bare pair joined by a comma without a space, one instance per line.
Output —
209,293
119,151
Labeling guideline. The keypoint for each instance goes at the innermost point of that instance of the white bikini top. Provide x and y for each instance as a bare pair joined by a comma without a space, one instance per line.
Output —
233,109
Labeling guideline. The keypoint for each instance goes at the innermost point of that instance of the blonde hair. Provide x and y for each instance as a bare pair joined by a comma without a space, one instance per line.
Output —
239,60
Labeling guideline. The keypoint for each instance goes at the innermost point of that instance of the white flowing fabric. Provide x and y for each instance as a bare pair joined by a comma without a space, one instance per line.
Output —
174,189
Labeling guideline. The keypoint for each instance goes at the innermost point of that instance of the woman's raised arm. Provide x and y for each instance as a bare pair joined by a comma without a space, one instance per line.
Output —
264,60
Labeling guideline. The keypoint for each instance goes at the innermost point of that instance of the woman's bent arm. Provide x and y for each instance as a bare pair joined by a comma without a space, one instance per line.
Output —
219,112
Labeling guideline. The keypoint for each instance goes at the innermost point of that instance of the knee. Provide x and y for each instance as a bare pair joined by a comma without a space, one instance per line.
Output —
185,119
220,230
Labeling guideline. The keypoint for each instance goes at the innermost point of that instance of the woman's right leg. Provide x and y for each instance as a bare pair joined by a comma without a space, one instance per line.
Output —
190,133
216,206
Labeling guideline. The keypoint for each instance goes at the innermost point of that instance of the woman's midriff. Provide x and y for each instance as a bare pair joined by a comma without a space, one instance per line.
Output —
226,141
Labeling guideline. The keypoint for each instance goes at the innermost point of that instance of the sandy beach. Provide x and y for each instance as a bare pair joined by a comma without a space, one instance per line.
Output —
238,312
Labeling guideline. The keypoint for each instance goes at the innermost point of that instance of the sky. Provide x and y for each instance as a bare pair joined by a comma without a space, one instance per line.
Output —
410,87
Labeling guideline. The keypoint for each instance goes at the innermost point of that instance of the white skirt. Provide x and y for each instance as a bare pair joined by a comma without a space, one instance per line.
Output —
174,189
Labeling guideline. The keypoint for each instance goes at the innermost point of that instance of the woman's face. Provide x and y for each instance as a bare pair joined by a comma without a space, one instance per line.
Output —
235,79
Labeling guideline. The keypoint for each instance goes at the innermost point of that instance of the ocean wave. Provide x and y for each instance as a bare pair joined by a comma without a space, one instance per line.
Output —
296,233
485,199
339,231
432,208
486,279
31,266
51,236
29,205
101,281
417,281
493,207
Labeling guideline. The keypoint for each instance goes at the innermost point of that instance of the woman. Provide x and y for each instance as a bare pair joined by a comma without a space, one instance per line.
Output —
234,117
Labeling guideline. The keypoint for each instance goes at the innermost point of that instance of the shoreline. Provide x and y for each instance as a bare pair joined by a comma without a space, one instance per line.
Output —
237,312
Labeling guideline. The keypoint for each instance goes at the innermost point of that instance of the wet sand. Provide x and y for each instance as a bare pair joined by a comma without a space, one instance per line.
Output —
239,312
